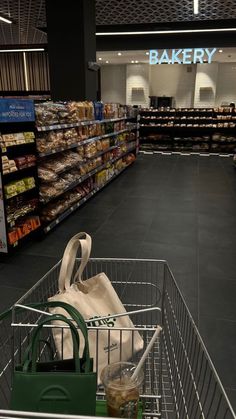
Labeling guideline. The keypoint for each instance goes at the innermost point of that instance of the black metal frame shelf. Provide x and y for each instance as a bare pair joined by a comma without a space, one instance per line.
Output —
20,193
88,159
88,175
81,123
78,204
14,222
87,141
24,238
11,148
174,127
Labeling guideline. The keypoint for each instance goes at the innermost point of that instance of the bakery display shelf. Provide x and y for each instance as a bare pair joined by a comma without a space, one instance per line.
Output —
186,127
80,123
88,175
88,140
20,193
180,111
32,211
210,119
15,173
24,238
78,204
13,148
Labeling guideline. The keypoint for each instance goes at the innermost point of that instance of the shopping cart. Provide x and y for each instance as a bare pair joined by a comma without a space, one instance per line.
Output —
180,379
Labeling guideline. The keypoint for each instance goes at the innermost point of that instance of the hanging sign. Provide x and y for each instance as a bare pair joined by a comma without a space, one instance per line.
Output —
181,56
16,110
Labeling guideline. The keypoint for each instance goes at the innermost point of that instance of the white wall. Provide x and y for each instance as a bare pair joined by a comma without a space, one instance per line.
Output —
113,83
205,85
170,80
173,80
137,77
226,84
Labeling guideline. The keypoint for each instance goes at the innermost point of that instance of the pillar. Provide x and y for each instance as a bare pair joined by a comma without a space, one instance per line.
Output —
71,29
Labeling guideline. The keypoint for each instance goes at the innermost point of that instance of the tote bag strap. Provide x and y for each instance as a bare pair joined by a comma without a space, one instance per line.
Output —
33,346
82,241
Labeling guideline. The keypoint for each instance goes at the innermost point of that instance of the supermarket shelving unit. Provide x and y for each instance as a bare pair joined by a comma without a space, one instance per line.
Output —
195,129
17,116
131,147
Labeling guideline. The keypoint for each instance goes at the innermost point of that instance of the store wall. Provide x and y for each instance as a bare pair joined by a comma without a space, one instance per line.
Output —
205,85
137,84
226,84
177,81
113,83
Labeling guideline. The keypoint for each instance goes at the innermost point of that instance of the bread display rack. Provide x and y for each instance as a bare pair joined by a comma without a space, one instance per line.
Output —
210,130
81,147
56,156
19,216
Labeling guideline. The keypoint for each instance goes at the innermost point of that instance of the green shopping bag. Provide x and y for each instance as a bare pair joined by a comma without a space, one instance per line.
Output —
57,386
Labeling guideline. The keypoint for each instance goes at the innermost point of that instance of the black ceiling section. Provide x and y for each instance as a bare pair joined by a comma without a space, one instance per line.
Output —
29,21
192,40
116,12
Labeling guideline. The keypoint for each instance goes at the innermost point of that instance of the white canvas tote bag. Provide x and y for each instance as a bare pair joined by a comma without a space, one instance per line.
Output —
95,297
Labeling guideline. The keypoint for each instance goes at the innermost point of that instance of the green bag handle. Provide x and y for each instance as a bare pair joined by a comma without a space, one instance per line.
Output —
36,337
73,312
75,315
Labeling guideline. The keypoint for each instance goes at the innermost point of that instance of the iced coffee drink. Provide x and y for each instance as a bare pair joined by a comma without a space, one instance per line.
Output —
122,392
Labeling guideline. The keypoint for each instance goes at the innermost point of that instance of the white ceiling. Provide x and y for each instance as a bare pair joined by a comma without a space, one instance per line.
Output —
126,57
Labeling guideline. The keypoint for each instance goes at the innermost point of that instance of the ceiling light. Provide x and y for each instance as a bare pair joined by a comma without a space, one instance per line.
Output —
132,61
119,53
107,62
22,50
220,50
100,59
196,7
136,62
5,20
169,32
147,53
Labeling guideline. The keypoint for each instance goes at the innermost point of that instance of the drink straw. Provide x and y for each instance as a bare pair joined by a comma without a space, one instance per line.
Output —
146,352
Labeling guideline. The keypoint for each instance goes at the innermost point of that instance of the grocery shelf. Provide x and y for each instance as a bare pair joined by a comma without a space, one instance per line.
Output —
19,241
81,123
10,175
186,127
88,175
20,193
87,141
82,163
13,222
78,204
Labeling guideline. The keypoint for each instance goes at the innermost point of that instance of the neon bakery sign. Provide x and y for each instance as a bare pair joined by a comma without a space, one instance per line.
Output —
181,56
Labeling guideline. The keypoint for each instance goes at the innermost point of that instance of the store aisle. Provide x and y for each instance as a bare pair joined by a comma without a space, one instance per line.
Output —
178,208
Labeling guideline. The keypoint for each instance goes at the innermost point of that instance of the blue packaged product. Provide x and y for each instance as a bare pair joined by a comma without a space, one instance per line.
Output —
98,110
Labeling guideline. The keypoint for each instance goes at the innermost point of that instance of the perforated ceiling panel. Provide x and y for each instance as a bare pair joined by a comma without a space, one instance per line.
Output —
28,15
151,11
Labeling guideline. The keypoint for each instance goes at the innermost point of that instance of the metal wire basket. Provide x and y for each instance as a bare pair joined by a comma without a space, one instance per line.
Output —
180,379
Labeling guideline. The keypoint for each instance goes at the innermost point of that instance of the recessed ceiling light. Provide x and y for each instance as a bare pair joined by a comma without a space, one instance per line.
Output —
3,19
119,53
147,53
161,32
136,62
107,62
132,61
196,7
220,50
100,59
22,50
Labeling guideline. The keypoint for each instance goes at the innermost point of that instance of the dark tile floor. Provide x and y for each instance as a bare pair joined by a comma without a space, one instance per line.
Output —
178,208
